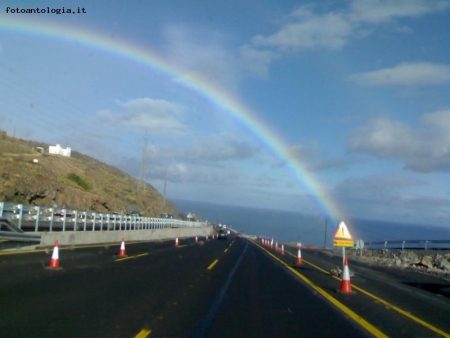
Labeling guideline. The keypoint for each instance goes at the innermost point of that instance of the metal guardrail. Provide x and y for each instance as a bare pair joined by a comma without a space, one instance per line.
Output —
37,219
437,244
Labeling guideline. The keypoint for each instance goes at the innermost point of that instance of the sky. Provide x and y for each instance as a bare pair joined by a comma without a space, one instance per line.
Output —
320,107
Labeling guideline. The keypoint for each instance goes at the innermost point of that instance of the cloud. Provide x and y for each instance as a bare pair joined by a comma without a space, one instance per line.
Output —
357,197
309,30
376,11
310,156
406,74
307,27
220,148
202,52
158,117
256,61
424,149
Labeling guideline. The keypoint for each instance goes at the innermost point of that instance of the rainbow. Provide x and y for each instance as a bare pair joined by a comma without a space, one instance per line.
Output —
216,96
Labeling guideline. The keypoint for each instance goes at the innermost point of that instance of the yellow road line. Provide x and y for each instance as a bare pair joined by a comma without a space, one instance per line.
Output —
143,334
212,264
132,257
225,250
353,315
386,303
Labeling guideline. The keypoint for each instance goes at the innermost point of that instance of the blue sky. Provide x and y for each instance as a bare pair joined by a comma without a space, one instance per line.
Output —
357,91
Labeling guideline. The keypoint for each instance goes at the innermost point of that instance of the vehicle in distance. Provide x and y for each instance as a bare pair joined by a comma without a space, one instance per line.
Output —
223,234
238,236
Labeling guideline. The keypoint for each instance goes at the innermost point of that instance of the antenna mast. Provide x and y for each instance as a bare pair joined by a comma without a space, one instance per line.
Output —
143,174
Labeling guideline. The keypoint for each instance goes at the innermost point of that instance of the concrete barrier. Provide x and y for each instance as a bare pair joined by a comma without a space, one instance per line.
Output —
97,237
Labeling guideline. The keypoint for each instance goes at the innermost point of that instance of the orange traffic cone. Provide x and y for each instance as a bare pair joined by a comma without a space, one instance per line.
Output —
54,262
176,241
346,286
122,249
298,260
282,249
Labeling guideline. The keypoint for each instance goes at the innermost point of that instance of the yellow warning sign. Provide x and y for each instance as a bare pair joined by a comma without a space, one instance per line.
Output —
342,232
343,242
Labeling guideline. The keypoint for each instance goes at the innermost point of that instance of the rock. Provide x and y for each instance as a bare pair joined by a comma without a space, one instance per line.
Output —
427,261
444,264
336,271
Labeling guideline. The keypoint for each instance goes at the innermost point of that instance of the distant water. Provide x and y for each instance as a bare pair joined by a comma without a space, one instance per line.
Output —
286,226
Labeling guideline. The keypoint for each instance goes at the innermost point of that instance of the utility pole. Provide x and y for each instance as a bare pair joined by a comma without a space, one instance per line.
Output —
143,173
165,187
325,240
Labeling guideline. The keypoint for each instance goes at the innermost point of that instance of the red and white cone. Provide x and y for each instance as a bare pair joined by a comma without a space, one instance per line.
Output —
346,286
176,241
196,239
282,249
54,262
122,249
298,260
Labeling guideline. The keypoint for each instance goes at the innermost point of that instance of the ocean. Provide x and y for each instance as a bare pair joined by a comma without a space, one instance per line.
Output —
285,226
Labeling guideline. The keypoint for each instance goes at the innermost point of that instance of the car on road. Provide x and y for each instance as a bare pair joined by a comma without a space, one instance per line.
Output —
238,236
223,234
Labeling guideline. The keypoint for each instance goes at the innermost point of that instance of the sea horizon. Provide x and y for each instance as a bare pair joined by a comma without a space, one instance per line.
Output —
290,226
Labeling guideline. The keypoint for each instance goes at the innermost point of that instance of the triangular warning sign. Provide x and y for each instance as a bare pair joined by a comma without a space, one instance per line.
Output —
342,232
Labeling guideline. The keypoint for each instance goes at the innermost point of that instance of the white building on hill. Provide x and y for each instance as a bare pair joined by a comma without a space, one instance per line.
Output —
59,151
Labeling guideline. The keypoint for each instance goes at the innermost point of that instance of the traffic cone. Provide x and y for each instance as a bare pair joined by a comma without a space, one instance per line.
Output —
282,249
176,241
122,249
298,260
54,262
346,286
196,239
206,237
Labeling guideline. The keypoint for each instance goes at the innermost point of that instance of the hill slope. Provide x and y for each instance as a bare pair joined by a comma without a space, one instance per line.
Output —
77,182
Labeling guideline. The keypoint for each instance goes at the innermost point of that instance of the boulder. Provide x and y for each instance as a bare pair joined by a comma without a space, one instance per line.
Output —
444,264
427,261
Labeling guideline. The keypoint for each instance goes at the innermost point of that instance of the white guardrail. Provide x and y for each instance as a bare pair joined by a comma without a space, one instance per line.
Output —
36,218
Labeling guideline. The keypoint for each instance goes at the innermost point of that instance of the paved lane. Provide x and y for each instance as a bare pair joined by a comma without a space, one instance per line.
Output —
212,288
386,297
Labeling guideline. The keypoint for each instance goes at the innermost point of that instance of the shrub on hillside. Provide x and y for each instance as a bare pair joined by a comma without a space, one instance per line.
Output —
79,181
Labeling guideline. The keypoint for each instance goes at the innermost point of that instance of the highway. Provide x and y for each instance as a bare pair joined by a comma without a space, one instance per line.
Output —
213,288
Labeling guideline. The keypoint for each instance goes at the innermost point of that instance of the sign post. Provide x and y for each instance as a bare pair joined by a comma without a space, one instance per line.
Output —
342,238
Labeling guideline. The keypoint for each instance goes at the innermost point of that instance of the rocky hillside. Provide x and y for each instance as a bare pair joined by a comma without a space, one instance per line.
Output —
77,182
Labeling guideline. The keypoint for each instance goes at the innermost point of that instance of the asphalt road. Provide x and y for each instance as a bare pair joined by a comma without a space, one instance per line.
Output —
232,288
